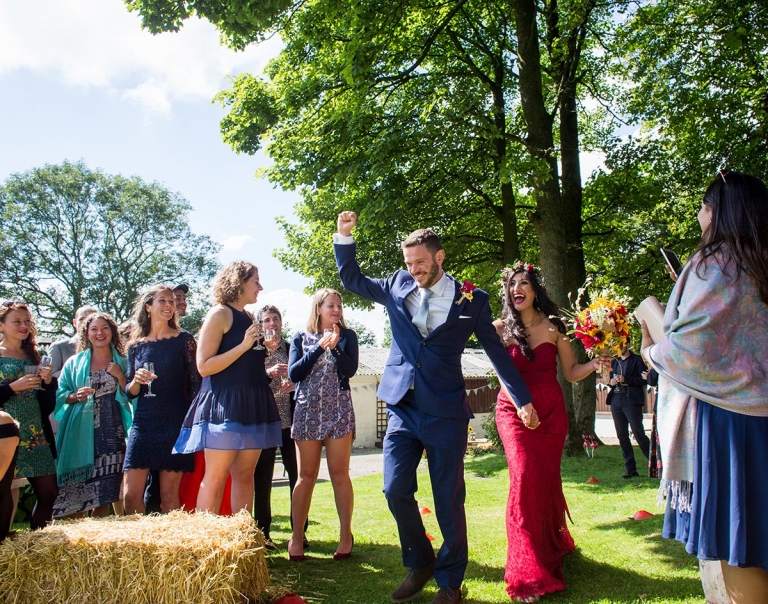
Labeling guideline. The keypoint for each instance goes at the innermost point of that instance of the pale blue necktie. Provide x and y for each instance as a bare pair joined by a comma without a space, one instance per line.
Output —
420,318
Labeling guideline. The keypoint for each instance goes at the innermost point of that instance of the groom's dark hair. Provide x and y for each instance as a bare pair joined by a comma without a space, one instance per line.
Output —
424,237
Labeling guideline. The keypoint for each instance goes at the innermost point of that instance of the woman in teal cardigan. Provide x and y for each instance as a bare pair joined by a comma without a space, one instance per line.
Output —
95,417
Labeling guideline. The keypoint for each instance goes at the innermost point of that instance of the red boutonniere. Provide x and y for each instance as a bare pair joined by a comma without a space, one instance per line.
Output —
466,291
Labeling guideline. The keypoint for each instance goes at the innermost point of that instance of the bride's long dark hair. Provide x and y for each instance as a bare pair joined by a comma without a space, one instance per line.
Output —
513,327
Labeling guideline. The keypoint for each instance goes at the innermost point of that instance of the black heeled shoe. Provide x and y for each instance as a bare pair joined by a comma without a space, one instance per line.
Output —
338,556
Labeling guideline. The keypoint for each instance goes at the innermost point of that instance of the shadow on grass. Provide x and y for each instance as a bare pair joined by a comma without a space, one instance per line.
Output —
485,466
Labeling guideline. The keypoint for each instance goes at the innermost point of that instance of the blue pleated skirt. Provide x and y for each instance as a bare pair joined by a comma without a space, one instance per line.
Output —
728,520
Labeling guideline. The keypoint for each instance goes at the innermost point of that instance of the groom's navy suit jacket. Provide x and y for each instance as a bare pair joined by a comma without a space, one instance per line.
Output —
432,363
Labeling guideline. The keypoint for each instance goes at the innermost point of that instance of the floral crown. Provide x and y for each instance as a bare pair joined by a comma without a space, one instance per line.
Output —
517,266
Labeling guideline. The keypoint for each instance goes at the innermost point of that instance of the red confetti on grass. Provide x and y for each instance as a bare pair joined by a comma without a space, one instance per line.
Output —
424,511
592,480
641,515
430,537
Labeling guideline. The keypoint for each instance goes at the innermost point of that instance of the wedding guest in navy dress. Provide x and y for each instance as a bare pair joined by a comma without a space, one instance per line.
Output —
713,392
165,390
234,416
322,359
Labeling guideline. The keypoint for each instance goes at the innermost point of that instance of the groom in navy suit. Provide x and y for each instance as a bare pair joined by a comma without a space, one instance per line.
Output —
427,407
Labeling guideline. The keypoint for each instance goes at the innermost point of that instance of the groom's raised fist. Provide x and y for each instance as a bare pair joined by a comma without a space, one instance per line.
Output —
346,222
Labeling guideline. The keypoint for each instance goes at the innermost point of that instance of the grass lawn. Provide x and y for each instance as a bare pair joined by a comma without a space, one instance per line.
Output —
617,559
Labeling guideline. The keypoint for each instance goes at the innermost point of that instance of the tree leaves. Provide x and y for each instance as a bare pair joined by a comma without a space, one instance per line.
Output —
83,237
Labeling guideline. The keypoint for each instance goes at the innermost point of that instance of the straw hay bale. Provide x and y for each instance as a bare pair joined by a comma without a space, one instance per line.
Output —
178,557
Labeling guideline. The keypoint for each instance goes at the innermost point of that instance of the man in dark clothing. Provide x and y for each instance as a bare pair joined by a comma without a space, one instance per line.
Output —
626,399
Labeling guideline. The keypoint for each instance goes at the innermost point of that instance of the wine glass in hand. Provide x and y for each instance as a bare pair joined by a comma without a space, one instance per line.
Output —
89,384
258,346
151,368
32,370
328,332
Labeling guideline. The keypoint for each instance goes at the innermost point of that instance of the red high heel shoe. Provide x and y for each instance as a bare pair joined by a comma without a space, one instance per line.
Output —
338,556
297,557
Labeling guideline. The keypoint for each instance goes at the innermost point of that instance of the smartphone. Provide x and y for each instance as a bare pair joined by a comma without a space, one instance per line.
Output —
673,262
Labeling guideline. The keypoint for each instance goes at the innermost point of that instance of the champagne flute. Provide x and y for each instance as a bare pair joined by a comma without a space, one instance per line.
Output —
89,384
328,332
270,335
31,370
151,368
258,341
45,362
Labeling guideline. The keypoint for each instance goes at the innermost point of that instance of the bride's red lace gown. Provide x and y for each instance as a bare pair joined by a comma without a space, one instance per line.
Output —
537,534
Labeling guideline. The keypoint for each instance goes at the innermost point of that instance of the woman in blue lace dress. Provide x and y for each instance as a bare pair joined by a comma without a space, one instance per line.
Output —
234,416
322,359
95,416
165,391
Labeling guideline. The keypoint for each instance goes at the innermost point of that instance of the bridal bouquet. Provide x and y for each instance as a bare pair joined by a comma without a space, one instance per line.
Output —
603,326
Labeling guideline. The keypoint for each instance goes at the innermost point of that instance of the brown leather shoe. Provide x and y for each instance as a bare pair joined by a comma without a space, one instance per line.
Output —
446,595
413,583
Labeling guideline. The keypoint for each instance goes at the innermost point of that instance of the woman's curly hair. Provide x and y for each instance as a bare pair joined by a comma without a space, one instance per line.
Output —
229,282
83,343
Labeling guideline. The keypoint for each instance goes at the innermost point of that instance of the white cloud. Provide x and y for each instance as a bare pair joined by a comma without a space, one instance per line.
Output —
235,243
98,43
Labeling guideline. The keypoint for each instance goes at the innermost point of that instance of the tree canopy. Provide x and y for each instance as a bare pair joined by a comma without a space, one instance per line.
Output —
84,237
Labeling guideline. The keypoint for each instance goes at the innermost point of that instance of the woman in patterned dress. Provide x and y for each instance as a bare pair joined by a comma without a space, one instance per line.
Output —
322,359
94,421
157,339
28,406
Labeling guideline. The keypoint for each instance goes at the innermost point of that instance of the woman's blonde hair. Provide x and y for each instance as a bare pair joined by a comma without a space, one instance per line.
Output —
313,325
229,282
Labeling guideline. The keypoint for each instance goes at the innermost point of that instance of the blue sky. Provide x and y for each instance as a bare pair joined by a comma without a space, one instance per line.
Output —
80,79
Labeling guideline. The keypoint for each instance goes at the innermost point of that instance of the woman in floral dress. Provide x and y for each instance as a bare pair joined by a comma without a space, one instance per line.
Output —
322,359
30,407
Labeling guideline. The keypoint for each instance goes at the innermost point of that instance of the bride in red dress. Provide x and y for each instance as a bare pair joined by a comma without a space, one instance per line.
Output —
537,535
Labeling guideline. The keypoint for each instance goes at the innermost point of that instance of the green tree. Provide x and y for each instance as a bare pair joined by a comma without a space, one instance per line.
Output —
365,337
463,116
83,236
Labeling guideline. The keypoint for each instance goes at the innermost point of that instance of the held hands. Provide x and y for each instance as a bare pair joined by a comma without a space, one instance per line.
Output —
529,416
329,341
287,386
346,222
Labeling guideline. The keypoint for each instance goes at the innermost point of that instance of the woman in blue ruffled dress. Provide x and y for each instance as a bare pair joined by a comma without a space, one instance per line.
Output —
234,415
322,359
164,392
713,391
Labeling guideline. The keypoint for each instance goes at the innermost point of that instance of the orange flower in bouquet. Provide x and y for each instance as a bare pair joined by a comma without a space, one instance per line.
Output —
603,326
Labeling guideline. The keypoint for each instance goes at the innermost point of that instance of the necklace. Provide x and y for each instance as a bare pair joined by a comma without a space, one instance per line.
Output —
531,322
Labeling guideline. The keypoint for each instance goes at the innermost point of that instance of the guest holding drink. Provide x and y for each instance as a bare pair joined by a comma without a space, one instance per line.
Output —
28,394
163,375
322,359
277,369
9,450
234,416
713,392
95,416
